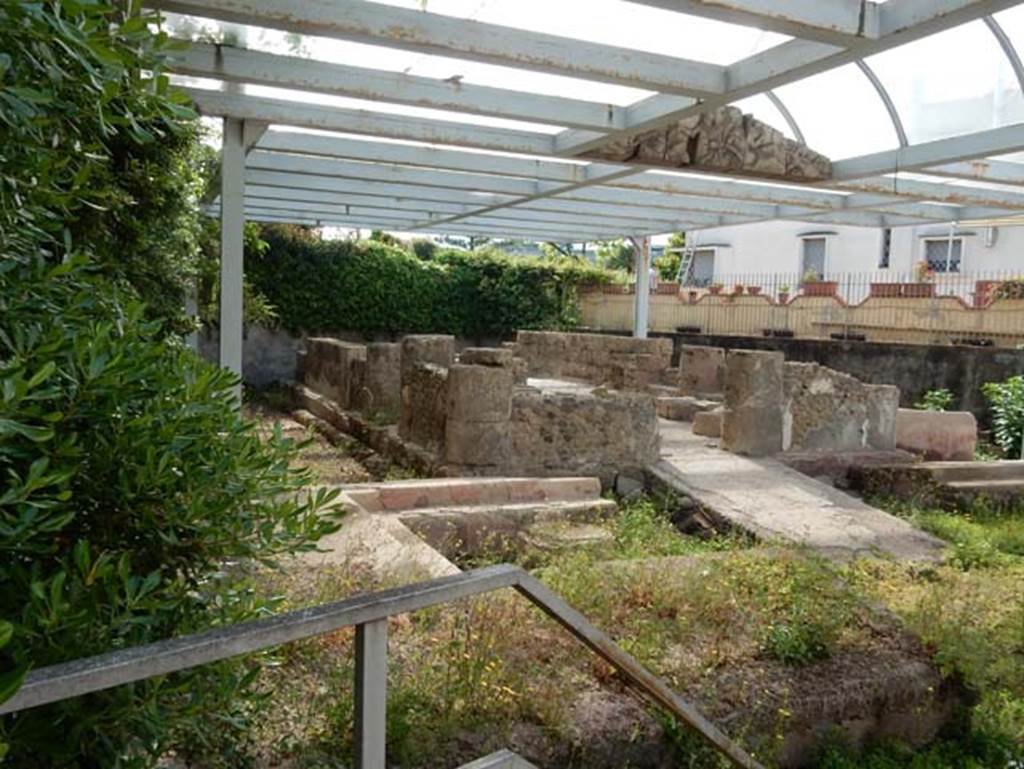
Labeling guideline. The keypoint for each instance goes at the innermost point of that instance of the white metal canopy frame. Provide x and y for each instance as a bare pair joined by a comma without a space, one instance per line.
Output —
426,154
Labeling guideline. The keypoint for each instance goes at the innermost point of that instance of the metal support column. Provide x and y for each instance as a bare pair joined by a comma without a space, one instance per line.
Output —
642,299
371,694
232,224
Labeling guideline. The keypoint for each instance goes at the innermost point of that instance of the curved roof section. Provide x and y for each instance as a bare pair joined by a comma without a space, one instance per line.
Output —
954,82
880,87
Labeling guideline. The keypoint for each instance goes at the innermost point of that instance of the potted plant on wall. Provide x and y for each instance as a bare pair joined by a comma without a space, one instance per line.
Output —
715,288
1011,288
667,288
886,289
815,285
738,289
923,287
783,294
754,290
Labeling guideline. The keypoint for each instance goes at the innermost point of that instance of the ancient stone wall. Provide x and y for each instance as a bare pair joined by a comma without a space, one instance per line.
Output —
773,406
479,411
752,415
701,370
327,367
424,411
378,382
438,349
825,410
937,435
477,416
619,361
598,433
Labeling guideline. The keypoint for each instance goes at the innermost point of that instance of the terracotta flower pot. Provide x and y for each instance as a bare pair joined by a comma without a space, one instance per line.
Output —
918,290
886,289
821,288
667,288
716,290
783,297
754,290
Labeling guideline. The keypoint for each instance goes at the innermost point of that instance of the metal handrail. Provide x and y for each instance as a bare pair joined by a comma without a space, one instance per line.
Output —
369,614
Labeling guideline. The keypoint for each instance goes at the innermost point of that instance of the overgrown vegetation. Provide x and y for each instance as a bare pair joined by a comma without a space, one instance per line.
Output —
373,286
492,673
970,611
939,399
135,500
1006,401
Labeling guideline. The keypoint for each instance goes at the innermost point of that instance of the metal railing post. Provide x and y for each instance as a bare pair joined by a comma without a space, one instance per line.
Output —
371,690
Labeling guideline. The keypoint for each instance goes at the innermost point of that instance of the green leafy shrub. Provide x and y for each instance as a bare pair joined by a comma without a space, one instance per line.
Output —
424,248
1006,401
135,500
976,751
96,147
371,286
935,400
799,638
131,485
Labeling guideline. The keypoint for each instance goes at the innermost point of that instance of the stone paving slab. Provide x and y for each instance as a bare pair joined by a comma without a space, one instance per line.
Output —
776,503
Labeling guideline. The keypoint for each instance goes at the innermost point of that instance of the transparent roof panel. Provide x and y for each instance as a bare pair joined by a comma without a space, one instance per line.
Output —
951,83
840,113
761,107
307,98
395,60
1012,22
614,22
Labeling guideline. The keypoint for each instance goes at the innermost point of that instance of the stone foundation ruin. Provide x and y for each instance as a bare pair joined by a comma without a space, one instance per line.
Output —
476,413
535,415
592,401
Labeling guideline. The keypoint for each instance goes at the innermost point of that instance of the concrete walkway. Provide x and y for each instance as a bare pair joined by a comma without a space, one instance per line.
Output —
773,502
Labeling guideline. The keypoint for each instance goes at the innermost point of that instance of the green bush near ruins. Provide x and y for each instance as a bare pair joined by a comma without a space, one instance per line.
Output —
372,286
130,482
1006,401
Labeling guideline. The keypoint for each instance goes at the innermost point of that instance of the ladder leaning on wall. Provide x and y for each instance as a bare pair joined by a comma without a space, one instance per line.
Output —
684,276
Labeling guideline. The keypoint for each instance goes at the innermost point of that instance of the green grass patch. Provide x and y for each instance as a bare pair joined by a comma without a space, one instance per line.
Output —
970,612
639,529
977,750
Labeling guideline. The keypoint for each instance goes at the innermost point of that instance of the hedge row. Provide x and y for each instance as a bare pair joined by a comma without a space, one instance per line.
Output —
369,286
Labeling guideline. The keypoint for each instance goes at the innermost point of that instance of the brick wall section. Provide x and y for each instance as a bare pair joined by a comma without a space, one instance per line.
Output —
619,361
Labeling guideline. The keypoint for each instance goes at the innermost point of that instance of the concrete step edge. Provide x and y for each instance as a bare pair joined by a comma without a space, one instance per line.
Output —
502,759
392,498
603,506
1002,485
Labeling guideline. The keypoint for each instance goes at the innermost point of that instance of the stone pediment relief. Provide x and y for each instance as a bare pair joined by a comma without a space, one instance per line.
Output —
723,140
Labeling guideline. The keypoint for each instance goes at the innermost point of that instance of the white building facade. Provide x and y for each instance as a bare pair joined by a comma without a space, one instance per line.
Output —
790,249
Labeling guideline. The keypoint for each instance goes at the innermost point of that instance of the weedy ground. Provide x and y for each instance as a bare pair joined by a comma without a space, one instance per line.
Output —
739,628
